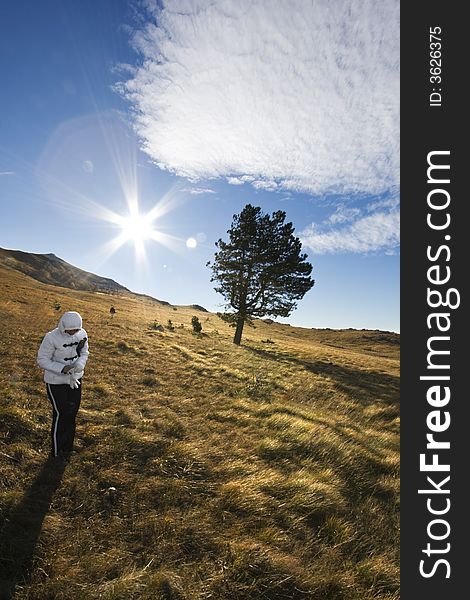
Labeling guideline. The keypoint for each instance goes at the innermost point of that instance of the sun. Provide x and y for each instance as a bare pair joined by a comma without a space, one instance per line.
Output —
137,228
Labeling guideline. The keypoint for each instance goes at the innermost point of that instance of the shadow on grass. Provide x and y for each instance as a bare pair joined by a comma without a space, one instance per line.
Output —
359,383
21,529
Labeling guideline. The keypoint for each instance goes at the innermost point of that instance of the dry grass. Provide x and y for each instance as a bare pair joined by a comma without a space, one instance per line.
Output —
203,470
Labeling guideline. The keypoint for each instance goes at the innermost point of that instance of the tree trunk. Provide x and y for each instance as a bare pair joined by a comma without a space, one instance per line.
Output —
239,330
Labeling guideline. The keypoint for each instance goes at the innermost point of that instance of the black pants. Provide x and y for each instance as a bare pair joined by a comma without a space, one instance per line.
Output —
65,404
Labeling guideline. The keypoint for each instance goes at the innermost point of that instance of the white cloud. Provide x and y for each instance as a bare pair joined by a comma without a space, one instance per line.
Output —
196,191
241,180
384,204
377,231
7,173
293,95
267,184
343,214
235,181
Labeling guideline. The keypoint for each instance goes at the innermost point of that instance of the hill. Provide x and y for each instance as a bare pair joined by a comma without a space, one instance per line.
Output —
268,471
49,268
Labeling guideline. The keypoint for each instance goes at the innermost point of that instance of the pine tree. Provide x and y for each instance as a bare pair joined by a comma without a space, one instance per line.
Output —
260,271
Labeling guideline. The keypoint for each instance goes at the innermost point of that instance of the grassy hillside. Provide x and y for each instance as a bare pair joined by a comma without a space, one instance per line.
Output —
203,470
51,269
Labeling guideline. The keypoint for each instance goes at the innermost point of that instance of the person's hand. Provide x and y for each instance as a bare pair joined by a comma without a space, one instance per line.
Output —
74,382
67,368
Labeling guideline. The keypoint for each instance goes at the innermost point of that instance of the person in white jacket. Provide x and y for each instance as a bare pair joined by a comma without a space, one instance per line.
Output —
63,355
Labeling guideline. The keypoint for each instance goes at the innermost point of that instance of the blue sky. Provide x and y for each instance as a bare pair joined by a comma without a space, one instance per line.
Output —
190,111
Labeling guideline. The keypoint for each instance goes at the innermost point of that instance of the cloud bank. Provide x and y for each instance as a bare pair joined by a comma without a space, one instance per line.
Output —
375,228
300,95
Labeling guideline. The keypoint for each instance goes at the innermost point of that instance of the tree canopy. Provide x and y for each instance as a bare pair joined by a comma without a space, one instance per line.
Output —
260,271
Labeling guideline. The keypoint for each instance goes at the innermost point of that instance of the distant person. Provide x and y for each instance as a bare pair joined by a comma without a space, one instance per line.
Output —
63,354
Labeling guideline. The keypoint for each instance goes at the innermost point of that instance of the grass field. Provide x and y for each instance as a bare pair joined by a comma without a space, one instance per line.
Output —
202,470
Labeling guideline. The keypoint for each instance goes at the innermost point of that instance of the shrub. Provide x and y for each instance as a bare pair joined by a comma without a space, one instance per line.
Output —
197,327
170,325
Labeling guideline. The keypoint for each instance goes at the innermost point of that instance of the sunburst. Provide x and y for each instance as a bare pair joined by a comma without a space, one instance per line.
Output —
138,227
106,135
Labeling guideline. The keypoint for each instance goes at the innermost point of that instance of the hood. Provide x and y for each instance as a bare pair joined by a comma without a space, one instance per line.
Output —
70,320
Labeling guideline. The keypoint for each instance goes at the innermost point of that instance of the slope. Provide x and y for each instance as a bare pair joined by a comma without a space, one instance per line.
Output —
49,268
203,470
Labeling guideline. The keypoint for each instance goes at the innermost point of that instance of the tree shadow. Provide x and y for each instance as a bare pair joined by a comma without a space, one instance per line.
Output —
364,385
21,528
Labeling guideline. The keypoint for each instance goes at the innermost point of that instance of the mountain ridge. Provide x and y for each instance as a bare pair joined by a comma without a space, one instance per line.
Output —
51,269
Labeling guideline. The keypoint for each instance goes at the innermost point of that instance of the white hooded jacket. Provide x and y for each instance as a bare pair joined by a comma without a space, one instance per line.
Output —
59,349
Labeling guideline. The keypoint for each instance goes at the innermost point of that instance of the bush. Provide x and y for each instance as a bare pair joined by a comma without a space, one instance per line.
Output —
170,325
197,327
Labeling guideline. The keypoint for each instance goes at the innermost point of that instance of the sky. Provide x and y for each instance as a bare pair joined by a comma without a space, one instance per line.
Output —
132,132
